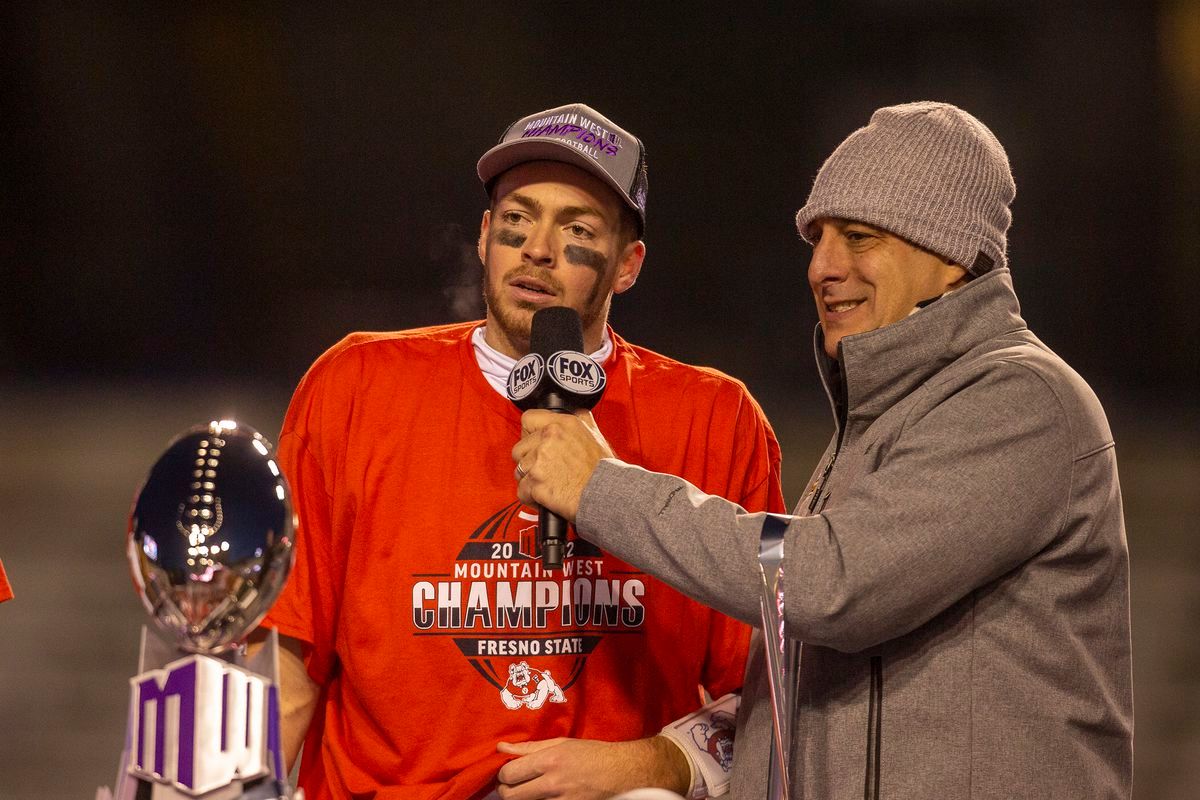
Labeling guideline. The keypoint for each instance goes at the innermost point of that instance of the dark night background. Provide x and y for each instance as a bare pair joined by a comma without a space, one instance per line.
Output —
197,201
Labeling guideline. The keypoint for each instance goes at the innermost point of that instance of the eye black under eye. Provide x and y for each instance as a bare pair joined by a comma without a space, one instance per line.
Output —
510,238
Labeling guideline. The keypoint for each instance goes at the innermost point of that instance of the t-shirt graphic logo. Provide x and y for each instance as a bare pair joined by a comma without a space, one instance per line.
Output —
515,622
529,688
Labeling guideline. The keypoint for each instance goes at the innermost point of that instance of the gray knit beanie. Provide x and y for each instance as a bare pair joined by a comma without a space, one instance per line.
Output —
929,172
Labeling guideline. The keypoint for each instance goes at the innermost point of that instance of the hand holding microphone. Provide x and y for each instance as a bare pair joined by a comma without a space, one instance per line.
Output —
557,451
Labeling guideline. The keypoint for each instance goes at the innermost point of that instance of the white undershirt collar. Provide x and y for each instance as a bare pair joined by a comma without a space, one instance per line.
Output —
495,365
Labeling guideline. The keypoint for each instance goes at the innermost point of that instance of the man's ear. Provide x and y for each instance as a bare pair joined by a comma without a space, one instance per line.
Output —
956,276
481,245
629,266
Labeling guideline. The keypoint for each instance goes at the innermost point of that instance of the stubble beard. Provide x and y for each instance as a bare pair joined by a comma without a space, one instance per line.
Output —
515,318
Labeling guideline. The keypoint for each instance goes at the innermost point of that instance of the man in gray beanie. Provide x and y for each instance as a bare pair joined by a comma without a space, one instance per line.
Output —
957,570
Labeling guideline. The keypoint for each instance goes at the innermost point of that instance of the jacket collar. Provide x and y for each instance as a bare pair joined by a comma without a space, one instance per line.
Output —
880,367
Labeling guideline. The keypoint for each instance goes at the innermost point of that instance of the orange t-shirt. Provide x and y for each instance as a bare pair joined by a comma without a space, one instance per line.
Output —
6,592
434,632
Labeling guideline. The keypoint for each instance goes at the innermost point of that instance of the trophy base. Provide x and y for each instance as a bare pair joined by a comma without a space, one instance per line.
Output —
136,782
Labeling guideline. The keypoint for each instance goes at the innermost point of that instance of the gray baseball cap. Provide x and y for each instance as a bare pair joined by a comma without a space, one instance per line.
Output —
575,134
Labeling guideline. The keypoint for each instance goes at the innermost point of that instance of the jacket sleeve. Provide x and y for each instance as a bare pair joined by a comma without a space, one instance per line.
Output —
971,487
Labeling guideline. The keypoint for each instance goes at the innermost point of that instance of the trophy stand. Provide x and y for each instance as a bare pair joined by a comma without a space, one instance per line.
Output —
782,655
207,726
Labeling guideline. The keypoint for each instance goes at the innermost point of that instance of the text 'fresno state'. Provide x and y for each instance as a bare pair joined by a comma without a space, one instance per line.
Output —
519,594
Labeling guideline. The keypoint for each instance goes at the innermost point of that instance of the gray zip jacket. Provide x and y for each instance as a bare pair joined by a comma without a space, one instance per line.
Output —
958,570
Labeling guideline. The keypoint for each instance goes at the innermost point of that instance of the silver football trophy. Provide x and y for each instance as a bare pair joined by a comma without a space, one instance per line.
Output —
210,547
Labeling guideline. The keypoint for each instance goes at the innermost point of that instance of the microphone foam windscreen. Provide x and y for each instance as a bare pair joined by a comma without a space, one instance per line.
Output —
555,328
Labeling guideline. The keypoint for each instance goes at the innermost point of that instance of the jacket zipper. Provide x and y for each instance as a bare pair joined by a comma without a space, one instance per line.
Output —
874,730
839,416
819,488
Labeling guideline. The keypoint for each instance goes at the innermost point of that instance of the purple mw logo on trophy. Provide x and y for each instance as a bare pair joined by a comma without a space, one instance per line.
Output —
198,746
210,547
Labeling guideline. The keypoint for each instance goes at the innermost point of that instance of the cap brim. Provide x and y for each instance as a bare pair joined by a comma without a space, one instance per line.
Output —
507,155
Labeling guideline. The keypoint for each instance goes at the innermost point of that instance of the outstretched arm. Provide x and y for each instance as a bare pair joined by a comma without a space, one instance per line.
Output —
956,502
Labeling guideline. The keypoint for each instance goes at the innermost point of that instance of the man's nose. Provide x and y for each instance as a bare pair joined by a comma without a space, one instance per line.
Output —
539,246
829,263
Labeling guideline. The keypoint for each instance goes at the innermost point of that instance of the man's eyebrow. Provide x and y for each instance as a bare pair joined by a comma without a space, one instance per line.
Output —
525,200
566,212
580,211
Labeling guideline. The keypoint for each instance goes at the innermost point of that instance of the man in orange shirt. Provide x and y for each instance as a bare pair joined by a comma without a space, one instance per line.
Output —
433,654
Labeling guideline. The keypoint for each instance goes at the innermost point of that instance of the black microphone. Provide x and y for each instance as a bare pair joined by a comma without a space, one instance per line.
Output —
557,376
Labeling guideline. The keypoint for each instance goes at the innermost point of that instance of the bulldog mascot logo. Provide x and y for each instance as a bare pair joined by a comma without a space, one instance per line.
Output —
529,687
716,739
